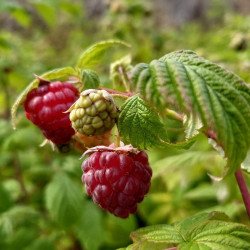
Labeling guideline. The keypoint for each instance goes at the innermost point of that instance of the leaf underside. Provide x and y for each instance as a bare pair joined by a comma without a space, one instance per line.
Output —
197,87
202,231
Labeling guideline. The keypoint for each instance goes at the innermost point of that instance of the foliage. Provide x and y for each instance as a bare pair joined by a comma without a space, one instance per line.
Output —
203,231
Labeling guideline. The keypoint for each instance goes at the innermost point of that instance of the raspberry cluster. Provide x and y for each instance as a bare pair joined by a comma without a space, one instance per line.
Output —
117,181
44,106
94,113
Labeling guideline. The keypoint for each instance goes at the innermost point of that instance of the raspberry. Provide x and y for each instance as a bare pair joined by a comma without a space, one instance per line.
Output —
117,179
94,113
44,106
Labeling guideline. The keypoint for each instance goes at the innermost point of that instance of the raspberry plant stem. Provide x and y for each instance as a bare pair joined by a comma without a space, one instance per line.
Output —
243,189
125,79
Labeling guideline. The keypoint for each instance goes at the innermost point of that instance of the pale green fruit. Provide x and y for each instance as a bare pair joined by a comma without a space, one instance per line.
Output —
94,113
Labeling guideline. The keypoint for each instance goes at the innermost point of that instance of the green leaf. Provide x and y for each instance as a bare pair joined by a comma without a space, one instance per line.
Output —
51,75
191,84
90,229
192,125
21,238
16,217
147,245
21,16
5,199
90,79
246,163
40,244
202,231
118,230
140,125
64,200
94,54
47,12
186,160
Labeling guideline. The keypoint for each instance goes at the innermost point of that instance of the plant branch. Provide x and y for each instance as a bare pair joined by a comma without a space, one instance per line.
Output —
243,189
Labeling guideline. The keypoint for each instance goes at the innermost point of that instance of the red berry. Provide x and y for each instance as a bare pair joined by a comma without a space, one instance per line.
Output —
117,181
44,106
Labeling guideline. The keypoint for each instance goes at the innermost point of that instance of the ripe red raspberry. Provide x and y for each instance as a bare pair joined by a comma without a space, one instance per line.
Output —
117,179
44,106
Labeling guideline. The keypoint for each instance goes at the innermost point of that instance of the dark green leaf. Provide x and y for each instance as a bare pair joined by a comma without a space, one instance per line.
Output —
90,79
94,54
51,75
40,244
5,199
191,84
140,125
90,229
64,200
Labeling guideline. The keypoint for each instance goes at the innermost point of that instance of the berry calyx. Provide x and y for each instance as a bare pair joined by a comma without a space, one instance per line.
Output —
45,106
117,178
83,142
94,113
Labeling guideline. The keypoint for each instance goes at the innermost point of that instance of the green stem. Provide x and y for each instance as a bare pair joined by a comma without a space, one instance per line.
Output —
243,189
124,76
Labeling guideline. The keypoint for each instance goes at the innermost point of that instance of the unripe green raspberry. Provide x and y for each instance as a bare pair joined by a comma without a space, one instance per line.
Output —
94,112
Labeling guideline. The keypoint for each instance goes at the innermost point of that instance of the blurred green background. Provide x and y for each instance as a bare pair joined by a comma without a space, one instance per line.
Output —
42,200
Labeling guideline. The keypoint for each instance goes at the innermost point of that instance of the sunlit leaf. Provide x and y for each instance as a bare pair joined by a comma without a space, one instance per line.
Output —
47,12
202,231
191,84
94,54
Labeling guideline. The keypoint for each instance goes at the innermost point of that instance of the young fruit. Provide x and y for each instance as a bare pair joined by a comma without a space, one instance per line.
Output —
94,112
117,178
44,106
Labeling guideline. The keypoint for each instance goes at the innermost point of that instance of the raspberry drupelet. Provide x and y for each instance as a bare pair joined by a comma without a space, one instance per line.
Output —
117,181
44,106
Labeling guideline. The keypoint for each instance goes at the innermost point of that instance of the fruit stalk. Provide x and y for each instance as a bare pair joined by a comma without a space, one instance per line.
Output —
125,79
243,189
